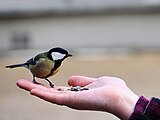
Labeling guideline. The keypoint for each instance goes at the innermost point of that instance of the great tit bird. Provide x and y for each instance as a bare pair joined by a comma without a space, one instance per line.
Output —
45,64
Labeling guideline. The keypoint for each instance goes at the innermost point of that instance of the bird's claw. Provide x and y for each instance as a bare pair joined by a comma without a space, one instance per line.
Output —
51,85
35,82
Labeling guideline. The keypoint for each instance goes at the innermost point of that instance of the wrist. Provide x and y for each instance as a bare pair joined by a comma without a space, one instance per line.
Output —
126,104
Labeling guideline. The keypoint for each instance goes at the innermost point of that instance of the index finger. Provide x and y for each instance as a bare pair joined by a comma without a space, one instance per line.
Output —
27,85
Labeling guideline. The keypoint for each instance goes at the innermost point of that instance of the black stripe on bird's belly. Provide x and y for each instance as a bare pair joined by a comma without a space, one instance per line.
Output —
56,66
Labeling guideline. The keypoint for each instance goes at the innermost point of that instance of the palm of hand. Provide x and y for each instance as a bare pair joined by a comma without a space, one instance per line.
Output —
104,94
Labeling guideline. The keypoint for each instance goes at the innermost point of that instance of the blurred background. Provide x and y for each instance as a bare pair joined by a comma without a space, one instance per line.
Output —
107,37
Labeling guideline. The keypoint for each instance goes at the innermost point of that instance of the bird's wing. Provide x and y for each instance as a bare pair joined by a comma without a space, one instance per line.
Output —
39,56
31,62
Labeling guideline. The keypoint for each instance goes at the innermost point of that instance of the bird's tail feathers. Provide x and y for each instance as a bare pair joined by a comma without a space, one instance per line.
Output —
16,65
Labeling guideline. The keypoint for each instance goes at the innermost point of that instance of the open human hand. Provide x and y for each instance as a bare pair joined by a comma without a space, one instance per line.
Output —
109,94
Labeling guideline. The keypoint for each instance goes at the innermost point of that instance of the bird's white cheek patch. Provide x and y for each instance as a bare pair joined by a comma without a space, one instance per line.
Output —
57,55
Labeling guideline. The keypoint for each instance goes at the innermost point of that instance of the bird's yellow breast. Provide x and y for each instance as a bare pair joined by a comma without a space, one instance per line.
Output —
54,72
42,68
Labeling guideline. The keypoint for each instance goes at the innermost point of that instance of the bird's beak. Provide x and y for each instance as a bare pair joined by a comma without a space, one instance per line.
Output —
69,55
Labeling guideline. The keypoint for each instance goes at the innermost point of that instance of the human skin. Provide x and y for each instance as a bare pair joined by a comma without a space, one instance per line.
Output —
108,94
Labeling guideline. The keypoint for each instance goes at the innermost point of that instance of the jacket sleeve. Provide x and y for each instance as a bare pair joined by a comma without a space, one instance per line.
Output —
146,110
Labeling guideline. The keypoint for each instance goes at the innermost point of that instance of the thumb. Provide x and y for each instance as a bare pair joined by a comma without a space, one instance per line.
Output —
80,81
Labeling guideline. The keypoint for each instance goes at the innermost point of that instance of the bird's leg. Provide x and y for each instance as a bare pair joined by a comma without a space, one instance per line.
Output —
34,80
51,85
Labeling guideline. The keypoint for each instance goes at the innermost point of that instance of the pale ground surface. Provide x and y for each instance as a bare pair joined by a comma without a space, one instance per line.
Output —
141,73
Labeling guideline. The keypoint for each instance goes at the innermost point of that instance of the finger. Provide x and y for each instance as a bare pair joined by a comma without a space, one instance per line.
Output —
73,100
52,97
27,85
80,81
